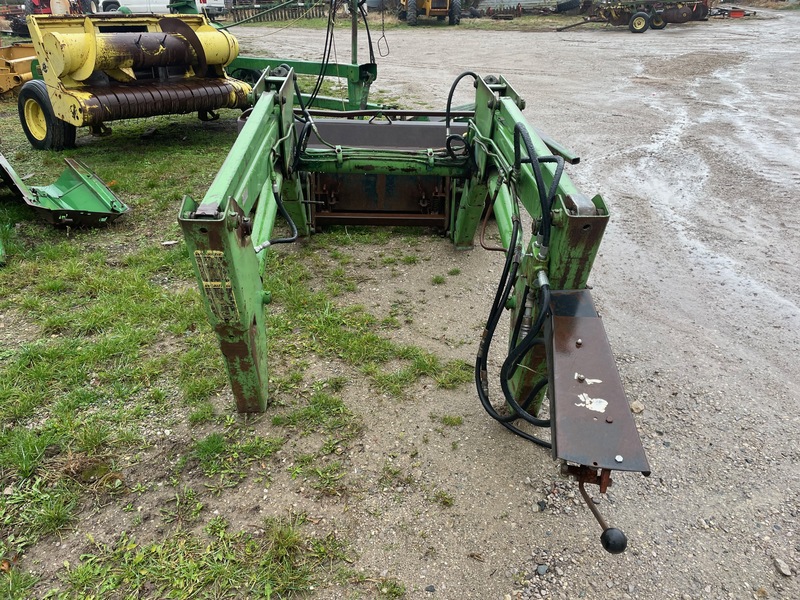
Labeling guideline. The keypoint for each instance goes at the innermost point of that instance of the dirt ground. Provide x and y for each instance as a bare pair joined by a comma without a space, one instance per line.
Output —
692,135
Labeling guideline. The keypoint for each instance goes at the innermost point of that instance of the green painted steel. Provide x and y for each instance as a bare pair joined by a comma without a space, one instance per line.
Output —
222,233
575,238
359,78
78,197
228,270
377,162
265,169
468,214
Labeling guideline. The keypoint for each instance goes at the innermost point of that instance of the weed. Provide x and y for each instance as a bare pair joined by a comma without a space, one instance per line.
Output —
391,588
186,510
453,272
392,476
324,413
217,455
203,413
15,583
32,508
280,562
451,420
442,498
438,279
328,479
24,450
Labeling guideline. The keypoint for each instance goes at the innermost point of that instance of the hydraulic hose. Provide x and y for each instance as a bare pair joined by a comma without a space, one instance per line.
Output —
506,284
285,215
474,76
516,355
545,195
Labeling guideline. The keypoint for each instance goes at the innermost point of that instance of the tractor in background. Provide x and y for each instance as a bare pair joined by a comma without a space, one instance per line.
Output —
410,10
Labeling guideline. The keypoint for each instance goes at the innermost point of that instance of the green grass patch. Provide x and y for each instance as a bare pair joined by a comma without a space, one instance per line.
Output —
282,562
218,454
112,348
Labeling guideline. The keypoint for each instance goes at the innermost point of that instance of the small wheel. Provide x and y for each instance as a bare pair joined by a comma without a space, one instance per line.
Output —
111,7
700,12
411,12
43,129
639,22
455,12
657,21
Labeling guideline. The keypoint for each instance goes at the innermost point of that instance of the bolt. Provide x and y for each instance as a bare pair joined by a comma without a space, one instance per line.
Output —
579,343
581,378
609,420
618,458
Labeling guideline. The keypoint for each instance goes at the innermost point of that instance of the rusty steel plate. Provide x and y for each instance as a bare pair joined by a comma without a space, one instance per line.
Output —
591,420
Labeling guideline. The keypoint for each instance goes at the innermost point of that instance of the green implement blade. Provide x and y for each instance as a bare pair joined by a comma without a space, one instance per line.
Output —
77,198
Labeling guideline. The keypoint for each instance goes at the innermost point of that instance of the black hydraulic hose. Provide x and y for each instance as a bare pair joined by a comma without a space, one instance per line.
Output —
521,132
366,27
520,317
511,362
292,226
326,53
474,76
303,108
504,421
504,288
448,144
533,393
544,310
515,226
285,215
302,142
545,195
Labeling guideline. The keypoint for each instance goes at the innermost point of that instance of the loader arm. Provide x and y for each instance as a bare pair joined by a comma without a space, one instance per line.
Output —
440,172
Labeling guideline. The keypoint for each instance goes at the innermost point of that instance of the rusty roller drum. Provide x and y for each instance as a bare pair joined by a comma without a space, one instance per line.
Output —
100,69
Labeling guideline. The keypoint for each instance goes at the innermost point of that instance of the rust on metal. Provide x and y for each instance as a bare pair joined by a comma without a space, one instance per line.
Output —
591,420
134,100
142,50
371,199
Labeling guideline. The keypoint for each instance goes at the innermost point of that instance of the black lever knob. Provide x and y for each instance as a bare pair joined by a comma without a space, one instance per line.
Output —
613,540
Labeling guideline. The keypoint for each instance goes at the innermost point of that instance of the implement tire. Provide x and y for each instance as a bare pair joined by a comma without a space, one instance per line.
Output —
454,13
43,129
411,12
657,21
639,23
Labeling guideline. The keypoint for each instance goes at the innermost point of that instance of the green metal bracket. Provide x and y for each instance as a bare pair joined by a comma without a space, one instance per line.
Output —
359,78
78,197
183,7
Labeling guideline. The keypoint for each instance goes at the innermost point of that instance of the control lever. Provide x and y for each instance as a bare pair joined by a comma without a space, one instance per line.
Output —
613,540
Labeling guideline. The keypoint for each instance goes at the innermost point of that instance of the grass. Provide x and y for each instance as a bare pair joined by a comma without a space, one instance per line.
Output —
281,562
112,386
